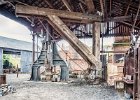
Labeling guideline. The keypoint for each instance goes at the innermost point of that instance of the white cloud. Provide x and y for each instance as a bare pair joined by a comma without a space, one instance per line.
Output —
12,29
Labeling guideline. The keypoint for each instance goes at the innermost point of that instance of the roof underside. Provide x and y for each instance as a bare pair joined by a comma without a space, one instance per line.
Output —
15,44
111,9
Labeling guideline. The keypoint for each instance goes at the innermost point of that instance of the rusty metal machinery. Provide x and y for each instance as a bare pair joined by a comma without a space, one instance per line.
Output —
132,73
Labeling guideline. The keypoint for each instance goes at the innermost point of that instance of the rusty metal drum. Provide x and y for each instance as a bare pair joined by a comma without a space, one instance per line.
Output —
2,79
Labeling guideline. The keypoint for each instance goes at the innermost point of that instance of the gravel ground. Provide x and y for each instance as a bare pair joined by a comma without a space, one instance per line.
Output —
28,90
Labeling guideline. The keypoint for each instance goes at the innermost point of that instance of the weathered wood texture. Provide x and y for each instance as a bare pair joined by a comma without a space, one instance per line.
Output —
67,5
90,5
74,41
32,10
96,46
96,40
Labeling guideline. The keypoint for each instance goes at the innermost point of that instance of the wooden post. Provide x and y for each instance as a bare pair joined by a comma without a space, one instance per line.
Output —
96,43
96,40
17,71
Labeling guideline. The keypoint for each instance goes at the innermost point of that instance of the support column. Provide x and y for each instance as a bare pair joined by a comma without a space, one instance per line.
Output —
1,63
96,45
35,70
37,45
33,48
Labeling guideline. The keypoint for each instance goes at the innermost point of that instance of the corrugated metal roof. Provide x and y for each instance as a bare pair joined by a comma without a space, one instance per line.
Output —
15,44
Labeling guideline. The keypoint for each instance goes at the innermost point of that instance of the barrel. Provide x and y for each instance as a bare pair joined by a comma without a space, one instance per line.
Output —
2,79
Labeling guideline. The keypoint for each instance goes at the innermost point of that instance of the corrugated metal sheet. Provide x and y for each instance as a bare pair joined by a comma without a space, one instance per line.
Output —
15,44
26,61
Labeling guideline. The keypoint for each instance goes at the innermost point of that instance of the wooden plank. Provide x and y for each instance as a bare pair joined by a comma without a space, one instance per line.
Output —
90,6
32,10
67,5
74,41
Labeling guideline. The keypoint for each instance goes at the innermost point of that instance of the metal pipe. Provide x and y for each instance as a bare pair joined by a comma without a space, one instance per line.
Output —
33,48
37,46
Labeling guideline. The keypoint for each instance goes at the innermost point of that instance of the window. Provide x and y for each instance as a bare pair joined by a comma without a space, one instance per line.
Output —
118,58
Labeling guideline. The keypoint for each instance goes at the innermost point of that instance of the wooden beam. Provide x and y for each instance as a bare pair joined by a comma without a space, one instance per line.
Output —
119,19
82,2
127,8
64,19
113,52
83,10
77,21
90,6
48,3
136,18
126,23
138,23
110,6
102,7
74,41
122,18
67,5
36,11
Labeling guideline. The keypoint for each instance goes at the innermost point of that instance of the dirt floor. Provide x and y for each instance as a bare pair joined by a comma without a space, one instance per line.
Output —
28,90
